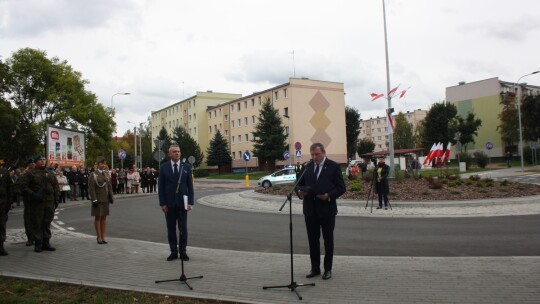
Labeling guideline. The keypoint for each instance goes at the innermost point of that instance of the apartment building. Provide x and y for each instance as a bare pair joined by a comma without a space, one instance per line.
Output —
376,129
189,113
483,98
311,111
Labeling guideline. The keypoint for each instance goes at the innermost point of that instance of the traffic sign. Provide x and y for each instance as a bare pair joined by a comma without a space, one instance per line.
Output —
298,153
297,146
191,159
286,155
121,154
489,145
159,143
159,155
246,156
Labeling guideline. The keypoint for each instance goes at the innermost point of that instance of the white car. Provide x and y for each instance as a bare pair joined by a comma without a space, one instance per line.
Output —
282,176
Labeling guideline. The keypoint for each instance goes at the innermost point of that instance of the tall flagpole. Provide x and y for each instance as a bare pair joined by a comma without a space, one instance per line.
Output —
390,136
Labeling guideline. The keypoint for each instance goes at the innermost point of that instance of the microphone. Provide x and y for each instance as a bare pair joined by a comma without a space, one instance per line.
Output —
307,163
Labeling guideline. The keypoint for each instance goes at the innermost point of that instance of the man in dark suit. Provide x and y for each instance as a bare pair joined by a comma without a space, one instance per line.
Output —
174,187
320,186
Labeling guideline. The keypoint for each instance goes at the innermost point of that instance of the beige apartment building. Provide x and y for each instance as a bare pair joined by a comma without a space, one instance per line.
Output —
189,113
311,111
376,129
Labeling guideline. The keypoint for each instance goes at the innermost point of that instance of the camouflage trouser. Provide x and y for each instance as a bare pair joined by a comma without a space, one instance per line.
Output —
3,221
41,215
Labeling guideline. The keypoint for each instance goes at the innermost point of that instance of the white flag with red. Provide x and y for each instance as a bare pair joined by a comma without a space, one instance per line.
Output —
430,154
392,91
402,94
447,152
389,122
375,96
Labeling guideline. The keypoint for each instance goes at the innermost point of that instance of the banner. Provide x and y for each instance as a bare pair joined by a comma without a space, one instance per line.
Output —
65,147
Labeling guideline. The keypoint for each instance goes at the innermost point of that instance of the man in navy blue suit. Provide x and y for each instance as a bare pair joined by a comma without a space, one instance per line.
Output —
320,186
176,198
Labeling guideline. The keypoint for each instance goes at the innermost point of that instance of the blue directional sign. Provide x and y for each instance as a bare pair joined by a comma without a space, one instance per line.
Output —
121,154
489,145
286,155
246,156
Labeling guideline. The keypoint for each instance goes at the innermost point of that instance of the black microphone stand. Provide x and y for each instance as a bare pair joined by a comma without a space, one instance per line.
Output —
293,285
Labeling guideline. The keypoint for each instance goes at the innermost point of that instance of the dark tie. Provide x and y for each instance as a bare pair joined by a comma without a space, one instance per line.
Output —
317,171
175,169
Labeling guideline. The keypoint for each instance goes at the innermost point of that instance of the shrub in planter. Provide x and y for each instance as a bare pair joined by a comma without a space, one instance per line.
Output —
355,186
481,159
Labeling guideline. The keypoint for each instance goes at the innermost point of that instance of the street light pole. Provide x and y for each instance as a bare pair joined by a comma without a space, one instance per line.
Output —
289,137
135,139
112,100
390,136
140,144
518,95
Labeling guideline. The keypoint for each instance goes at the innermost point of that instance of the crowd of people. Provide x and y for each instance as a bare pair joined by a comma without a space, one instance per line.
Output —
40,190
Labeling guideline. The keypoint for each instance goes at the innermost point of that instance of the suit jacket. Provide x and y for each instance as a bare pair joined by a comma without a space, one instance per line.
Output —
167,184
330,181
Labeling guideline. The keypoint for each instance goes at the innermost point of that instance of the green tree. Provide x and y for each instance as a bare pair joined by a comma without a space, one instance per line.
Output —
403,132
365,145
352,129
218,153
270,139
188,145
164,136
468,128
48,91
530,116
435,127
509,119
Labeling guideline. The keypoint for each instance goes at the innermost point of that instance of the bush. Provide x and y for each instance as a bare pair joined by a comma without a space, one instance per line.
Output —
355,186
474,177
480,184
528,154
505,182
453,183
201,172
481,159
435,184
465,157
468,182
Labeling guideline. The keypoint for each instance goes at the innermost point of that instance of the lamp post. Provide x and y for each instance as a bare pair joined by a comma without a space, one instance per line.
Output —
519,116
135,139
140,143
289,136
112,100
390,136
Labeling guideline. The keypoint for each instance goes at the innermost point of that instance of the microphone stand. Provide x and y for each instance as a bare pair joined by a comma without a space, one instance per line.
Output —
293,285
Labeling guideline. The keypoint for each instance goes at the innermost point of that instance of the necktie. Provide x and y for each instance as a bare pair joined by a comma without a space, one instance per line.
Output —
175,169
317,171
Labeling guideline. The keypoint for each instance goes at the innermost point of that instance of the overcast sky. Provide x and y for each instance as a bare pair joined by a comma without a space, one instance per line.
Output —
162,51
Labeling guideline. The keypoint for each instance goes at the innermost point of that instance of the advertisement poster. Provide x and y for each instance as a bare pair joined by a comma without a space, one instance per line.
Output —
65,147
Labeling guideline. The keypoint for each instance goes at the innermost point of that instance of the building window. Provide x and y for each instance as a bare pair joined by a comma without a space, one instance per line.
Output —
245,104
226,132
239,138
226,117
378,121
189,118
276,95
245,121
260,100
233,141
194,116
215,128
232,123
234,155
253,119
287,130
220,127
219,112
252,102
247,137
210,129
209,115
215,113
286,111
240,154
252,137
238,106
239,122
285,93
232,108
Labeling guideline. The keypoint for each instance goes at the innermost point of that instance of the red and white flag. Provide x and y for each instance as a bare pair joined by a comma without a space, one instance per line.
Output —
375,96
392,91
447,152
389,122
402,94
430,153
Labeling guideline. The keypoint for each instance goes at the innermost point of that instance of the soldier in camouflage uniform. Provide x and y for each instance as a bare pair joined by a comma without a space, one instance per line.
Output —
20,184
41,191
5,205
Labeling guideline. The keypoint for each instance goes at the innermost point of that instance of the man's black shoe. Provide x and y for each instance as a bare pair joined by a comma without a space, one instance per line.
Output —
184,256
385,208
327,275
379,207
29,243
37,247
47,247
173,256
313,273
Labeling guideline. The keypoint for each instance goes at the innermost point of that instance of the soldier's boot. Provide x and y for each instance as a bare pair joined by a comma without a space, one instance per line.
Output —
30,242
47,246
38,246
3,251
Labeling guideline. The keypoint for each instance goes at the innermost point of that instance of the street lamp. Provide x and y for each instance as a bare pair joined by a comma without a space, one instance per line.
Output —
289,136
519,116
112,99
135,138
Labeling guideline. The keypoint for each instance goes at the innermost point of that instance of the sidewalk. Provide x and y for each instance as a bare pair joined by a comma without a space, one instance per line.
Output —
239,276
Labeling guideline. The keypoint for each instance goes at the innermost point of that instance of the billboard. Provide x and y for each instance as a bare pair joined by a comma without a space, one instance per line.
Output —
65,147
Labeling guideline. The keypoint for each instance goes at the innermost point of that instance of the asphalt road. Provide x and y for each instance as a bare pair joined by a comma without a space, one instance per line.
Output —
142,219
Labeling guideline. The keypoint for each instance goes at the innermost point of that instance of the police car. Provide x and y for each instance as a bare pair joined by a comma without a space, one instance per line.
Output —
282,176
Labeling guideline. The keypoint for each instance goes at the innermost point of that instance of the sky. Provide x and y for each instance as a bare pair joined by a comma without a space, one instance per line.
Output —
163,51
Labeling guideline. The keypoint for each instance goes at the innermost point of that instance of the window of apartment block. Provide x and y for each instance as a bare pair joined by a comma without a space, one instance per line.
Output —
386,137
285,93
215,128
234,155
378,121
245,121
239,138
287,130
380,146
185,112
247,138
378,138
226,117
226,132
220,126
194,130
219,112
253,119
189,118
209,115
260,100
245,104
286,111
239,122
210,129
215,113
252,102
232,123
232,140
189,130
238,106
232,108
276,95
194,116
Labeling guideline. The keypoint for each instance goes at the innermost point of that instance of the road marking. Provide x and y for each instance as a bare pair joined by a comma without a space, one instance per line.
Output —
60,222
70,228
